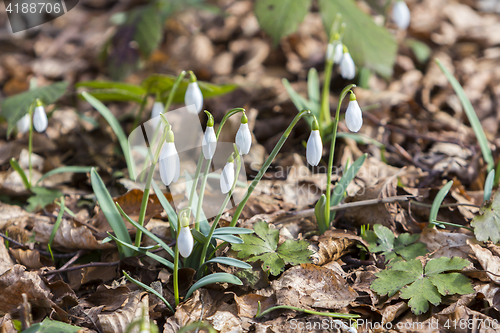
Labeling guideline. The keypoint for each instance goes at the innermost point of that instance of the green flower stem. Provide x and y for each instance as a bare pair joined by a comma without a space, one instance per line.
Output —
147,186
195,179
222,207
30,144
176,256
343,94
170,98
441,223
178,80
288,307
207,167
266,165
324,116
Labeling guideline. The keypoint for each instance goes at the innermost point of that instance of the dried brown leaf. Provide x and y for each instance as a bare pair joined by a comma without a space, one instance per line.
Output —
488,261
308,286
248,304
30,259
118,320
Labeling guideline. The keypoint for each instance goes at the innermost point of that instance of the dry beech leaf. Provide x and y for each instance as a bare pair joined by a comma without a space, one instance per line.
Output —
6,262
30,259
69,236
117,321
308,286
110,298
488,261
386,214
202,306
130,202
248,304
9,212
79,277
446,244
15,282
6,325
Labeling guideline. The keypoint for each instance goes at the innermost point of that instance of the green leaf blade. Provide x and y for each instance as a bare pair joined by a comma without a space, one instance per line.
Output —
214,278
487,224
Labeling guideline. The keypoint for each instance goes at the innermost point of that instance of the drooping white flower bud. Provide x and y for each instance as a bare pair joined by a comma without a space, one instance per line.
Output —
227,176
40,120
353,115
338,53
209,139
401,14
243,136
193,95
23,124
185,240
314,148
169,160
347,67
157,109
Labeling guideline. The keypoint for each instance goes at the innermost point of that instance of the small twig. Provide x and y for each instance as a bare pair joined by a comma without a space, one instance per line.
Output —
310,212
413,202
90,264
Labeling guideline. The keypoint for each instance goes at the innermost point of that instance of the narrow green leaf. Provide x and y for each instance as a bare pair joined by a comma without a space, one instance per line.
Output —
471,115
198,236
15,107
131,88
319,212
145,231
229,238
73,169
370,45
56,227
439,200
488,185
148,288
232,231
111,212
20,171
213,278
52,326
313,89
280,18
340,188
421,51
115,95
149,29
172,216
115,126
229,261
145,252
301,103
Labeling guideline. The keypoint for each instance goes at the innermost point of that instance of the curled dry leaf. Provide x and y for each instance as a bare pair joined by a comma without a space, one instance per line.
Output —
201,306
10,212
248,304
488,261
69,236
15,282
307,286
330,248
117,321
30,259
110,298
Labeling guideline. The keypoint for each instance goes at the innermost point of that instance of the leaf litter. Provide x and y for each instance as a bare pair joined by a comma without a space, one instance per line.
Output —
420,122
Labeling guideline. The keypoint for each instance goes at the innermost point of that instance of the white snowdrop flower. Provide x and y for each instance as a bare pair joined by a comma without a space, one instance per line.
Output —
209,139
401,14
193,95
353,115
314,148
227,176
40,120
185,239
157,109
338,53
23,124
347,68
169,160
243,136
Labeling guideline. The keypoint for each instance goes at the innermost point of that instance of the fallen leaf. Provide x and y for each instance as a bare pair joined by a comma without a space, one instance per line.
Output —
118,320
488,261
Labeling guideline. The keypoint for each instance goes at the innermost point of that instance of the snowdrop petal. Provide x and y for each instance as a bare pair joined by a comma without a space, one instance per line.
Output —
157,109
185,242
314,148
401,15
353,116
347,68
227,177
193,97
209,143
338,53
40,120
169,164
23,124
243,139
